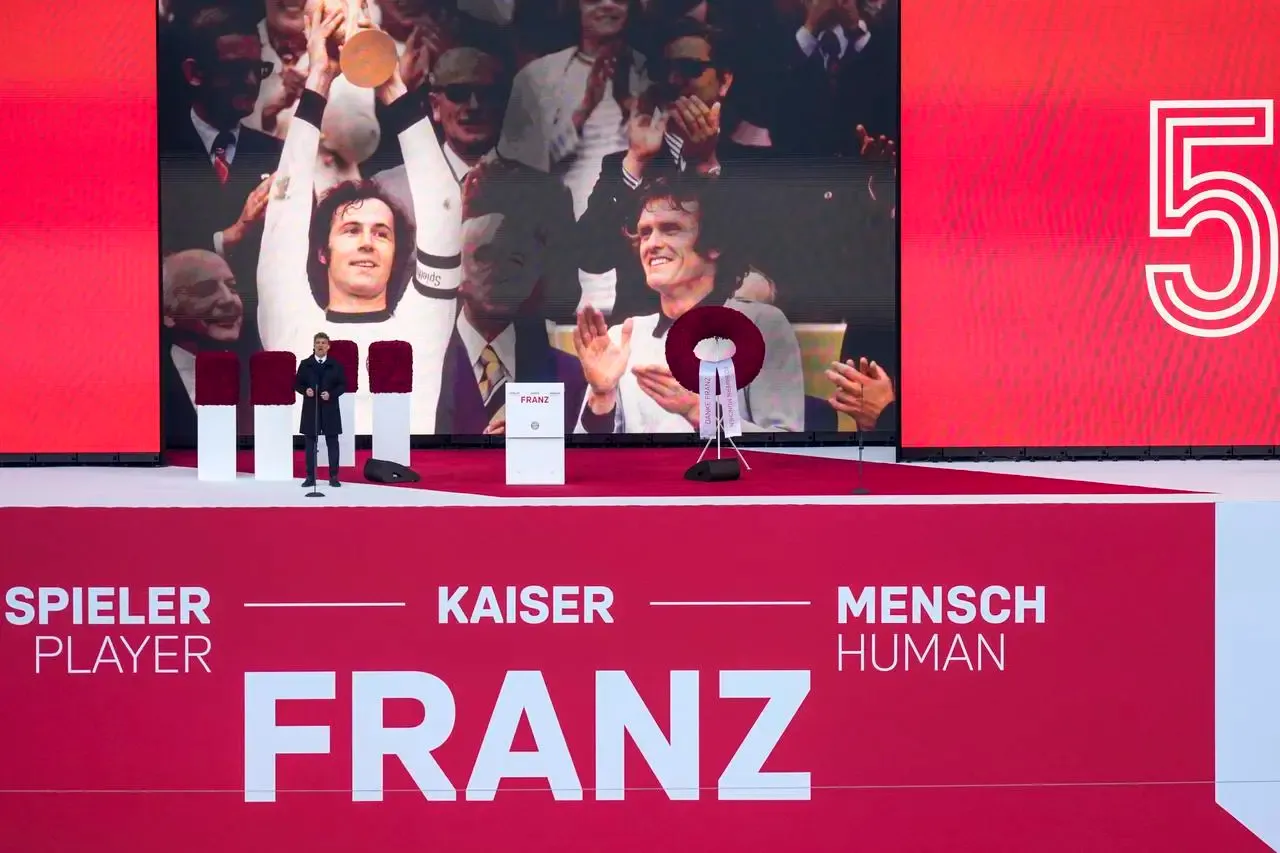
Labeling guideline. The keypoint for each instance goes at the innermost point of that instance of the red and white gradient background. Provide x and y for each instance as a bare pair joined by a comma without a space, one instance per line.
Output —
79,245
1025,219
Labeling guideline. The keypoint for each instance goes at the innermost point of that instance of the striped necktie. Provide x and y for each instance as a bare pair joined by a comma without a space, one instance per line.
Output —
492,379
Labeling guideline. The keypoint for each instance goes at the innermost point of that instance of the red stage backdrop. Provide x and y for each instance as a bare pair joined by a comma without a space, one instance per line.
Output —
1066,165
1004,684
78,229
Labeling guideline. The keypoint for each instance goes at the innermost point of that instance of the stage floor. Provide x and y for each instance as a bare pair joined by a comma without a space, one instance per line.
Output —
1175,481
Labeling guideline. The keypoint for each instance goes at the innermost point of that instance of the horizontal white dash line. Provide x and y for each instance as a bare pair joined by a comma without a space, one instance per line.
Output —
730,603
324,604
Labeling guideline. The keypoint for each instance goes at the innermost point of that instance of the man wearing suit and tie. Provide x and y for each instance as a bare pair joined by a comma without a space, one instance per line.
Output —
213,195
837,74
321,381
511,216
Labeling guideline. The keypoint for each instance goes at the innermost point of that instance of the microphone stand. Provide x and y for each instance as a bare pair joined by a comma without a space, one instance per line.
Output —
315,448
861,488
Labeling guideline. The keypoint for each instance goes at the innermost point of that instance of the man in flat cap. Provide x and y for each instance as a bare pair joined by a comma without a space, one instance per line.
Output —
469,90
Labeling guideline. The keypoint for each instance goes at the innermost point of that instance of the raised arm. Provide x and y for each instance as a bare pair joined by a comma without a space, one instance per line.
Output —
430,311
285,301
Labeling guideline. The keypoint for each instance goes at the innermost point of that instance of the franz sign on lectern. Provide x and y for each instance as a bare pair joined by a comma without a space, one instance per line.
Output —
366,55
535,433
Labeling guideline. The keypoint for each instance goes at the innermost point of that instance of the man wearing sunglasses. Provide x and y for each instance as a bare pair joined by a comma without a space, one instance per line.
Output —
210,162
675,129
469,90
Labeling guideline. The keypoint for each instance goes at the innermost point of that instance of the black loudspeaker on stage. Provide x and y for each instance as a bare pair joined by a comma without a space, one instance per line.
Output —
714,471
381,471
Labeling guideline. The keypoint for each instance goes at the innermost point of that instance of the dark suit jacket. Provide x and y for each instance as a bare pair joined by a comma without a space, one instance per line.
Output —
462,411
178,411
812,116
324,377
194,205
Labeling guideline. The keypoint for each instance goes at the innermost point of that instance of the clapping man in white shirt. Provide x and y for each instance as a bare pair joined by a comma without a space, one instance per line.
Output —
680,240
338,265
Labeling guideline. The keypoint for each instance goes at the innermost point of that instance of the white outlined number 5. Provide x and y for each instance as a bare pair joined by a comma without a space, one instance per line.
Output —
1182,198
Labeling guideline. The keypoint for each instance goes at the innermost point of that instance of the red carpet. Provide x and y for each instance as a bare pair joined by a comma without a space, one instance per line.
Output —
658,472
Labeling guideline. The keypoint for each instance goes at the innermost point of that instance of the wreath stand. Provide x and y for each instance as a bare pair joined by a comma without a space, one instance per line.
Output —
716,439
703,336
716,349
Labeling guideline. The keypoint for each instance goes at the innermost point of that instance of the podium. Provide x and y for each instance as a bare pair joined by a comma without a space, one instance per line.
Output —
535,433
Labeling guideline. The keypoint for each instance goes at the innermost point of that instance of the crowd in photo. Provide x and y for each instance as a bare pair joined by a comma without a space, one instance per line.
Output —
538,193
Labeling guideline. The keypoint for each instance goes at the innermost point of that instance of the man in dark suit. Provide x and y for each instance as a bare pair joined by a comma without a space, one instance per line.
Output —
836,74
213,192
321,381
513,219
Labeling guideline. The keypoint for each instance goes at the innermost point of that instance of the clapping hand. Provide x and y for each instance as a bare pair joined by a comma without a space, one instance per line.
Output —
699,127
602,71
656,381
251,216
863,390
324,395
645,134
877,149
603,359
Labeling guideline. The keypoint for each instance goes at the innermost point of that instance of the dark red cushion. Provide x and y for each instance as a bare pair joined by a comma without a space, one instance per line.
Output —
217,378
347,354
390,367
714,321
271,378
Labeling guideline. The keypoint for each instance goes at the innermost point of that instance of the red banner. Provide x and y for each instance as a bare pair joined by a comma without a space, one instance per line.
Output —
79,230
585,679
1089,228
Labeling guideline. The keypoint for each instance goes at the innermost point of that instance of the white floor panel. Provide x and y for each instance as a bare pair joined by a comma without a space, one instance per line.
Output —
179,487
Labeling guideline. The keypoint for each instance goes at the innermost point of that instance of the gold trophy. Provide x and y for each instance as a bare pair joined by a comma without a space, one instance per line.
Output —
368,56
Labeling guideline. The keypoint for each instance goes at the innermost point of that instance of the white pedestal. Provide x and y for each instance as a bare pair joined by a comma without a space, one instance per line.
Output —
535,434
347,441
273,443
390,428
216,443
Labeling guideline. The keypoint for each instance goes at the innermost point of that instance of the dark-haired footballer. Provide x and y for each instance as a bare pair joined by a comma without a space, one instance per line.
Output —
338,266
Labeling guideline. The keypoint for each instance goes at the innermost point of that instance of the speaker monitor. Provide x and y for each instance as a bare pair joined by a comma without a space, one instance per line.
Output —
714,471
381,471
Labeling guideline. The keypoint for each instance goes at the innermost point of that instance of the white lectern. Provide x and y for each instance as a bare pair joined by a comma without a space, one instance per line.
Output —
535,433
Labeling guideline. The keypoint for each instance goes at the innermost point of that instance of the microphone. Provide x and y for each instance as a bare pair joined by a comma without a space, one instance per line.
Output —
314,461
